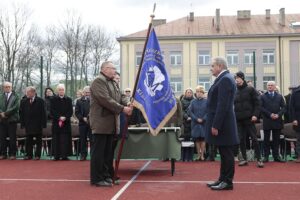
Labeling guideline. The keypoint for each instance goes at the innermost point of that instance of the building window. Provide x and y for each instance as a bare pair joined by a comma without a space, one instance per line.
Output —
176,84
138,58
248,58
204,58
232,57
176,58
205,82
266,79
268,56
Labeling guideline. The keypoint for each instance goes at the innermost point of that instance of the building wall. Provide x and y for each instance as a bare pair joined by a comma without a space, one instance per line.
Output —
285,69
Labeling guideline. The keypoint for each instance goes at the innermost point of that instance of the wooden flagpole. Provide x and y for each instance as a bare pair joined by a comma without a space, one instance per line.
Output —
125,128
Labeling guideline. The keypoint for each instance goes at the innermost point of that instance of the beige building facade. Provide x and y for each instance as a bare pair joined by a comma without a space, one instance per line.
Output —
189,43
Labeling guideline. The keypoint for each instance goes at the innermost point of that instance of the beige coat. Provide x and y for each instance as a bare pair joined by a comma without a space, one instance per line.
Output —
106,105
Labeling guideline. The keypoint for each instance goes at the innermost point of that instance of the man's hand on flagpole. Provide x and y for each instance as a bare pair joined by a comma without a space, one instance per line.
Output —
127,110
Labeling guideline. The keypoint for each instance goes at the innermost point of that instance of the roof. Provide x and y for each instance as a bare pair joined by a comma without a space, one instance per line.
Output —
230,26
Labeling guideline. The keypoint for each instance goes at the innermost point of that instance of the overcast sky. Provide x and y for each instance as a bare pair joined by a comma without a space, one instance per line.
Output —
129,16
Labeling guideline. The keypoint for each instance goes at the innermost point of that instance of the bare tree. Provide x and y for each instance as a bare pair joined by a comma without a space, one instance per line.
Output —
50,48
68,39
12,31
84,54
103,45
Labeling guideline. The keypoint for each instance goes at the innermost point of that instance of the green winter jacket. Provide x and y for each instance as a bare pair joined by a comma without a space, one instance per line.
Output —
11,108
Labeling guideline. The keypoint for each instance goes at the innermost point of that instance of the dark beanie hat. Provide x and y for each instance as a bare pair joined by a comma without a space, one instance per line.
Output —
240,74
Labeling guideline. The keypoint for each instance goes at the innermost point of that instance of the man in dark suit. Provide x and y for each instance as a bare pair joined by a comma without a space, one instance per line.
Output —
9,116
295,117
82,110
221,128
272,109
33,119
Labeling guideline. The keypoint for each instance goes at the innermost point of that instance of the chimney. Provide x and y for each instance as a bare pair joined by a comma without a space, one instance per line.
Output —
268,13
157,22
191,18
243,14
217,21
282,16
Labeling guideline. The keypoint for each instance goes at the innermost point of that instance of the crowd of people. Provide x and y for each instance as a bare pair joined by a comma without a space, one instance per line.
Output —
99,110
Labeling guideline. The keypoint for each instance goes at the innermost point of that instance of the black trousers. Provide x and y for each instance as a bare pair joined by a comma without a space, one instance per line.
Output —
114,146
8,130
275,146
245,130
85,132
30,142
101,157
227,164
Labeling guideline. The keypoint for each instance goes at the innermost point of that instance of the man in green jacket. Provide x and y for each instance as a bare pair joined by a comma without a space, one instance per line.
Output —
9,116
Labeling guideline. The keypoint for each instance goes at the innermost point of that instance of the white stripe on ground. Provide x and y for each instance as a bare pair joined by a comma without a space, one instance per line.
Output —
130,182
148,181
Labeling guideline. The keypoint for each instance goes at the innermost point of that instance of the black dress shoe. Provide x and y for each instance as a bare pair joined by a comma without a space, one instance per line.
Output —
83,158
278,160
222,186
109,180
27,158
102,184
213,184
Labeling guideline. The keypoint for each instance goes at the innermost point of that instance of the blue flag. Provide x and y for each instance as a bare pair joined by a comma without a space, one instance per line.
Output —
154,95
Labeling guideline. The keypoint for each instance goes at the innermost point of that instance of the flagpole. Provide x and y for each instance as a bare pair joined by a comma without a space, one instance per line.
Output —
125,128
143,54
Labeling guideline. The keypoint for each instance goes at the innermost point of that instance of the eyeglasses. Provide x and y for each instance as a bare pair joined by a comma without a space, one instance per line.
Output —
127,91
111,68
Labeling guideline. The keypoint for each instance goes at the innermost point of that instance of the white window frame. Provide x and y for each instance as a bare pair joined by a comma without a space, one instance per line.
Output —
176,84
205,82
203,57
267,55
177,57
232,57
138,57
248,55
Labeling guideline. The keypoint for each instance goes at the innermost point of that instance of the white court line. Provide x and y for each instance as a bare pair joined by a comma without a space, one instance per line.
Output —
236,182
149,181
131,181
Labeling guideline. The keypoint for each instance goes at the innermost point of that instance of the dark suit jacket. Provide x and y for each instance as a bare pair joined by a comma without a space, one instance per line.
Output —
33,116
295,107
271,105
220,111
82,109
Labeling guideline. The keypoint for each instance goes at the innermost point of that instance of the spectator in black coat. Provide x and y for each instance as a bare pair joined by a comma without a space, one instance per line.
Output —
82,110
61,111
33,119
185,102
295,117
272,108
246,107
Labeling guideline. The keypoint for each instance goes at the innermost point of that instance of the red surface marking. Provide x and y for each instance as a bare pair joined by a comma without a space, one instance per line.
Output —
72,170
209,171
157,171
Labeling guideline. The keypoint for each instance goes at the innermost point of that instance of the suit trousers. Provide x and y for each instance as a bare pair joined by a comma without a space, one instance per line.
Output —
30,143
101,157
298,144
8,130
227,164
275,146
246,130
85,132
